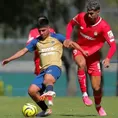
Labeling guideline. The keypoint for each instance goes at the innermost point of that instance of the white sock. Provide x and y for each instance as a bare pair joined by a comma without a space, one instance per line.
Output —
85,94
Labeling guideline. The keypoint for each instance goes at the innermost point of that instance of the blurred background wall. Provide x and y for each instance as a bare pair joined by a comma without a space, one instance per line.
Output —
16,20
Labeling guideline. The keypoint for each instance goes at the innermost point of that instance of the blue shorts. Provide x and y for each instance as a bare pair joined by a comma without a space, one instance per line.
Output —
55,71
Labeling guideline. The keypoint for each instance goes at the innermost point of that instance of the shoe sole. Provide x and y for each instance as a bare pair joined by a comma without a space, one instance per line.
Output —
88,105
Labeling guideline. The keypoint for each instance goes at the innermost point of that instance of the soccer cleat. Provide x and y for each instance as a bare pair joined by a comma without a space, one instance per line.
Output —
46,95
101,111
44,113
87,101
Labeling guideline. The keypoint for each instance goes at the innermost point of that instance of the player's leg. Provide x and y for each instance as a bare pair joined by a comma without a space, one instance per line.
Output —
97,92
51,75
95,75
35,90
44,112
37,69
81,62
49,94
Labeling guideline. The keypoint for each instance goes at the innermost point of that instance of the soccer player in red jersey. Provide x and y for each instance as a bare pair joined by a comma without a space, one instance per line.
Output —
33,34
93,32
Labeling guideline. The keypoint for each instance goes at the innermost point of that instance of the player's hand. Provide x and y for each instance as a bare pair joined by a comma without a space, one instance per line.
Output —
4,62
106,62
67,43
85,53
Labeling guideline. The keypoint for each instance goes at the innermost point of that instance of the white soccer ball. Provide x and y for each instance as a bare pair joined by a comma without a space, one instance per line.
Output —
29,110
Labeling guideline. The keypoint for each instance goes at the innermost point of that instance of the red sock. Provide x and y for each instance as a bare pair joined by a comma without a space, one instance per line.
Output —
82,80
97,97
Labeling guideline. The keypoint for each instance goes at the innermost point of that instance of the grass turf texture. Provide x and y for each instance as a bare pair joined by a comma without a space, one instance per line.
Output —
64,107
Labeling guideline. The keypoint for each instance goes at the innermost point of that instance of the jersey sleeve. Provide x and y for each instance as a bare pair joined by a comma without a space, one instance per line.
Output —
108,34
109,37
32,45
76,19
71,24
59,37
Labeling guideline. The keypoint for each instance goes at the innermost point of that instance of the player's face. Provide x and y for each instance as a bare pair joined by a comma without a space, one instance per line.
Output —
93,15
44,32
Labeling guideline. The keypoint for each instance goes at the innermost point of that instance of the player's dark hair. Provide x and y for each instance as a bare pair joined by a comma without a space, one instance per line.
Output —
93,5
42,21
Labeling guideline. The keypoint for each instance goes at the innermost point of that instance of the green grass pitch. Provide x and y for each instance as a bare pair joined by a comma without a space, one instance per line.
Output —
64,107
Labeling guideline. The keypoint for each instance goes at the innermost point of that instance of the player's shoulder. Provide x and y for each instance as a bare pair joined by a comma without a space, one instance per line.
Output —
80,15
33,30
35,40
58,36
104,23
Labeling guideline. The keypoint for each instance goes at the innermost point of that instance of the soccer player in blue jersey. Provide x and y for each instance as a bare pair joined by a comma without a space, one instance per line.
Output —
50,49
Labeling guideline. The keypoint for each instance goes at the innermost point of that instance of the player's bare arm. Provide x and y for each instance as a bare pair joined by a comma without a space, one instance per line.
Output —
15,56
76,46
67,43
72,44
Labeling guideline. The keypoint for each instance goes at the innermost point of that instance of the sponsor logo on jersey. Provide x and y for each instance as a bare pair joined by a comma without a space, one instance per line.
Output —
52,42
86,36
48,49
49,71
47,53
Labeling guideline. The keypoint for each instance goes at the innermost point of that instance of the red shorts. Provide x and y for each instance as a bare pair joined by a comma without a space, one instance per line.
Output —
92,63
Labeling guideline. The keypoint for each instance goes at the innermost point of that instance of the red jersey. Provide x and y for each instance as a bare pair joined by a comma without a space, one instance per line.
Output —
92,37
33,34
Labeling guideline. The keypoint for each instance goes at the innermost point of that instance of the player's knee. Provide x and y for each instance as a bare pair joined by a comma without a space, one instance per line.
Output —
82,64
49,81
96,87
